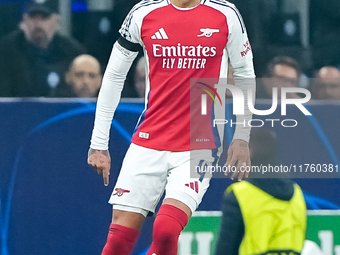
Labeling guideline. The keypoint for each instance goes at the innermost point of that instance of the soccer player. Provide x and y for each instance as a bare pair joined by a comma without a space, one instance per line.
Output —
181,39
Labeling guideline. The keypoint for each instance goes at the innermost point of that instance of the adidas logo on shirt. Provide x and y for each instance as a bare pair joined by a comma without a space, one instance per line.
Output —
160,34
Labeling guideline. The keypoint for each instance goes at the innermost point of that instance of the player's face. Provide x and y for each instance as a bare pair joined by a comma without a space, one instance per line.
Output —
39,29
85,78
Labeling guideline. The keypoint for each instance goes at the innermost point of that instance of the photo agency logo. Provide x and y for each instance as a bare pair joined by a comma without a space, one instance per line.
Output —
212,93
240,101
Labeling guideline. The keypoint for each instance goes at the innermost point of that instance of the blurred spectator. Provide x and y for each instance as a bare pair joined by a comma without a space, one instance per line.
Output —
326,84
282,71
35,57
84,76
140,77
262,216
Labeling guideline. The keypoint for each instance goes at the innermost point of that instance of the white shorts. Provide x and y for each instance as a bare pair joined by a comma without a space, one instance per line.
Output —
146,173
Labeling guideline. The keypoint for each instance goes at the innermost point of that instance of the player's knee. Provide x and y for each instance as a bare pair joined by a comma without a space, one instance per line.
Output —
128,219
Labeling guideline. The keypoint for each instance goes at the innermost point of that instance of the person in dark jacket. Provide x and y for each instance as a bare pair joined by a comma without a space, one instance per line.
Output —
262,215
34,58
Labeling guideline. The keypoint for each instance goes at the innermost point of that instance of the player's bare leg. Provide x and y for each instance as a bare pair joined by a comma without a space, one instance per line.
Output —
170,221
128,219
123,232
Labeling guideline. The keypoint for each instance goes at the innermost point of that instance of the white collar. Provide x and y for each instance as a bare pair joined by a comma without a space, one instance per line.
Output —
186,8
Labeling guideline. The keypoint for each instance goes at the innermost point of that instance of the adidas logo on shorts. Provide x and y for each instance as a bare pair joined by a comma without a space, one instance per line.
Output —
193,186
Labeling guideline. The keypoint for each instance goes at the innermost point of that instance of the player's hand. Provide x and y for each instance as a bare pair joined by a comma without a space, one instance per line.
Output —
238,156
101,161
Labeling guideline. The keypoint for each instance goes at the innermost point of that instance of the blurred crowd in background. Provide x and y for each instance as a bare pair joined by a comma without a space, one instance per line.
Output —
51,48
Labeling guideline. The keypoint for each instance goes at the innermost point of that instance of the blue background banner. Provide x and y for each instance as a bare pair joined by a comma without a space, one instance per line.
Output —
52,202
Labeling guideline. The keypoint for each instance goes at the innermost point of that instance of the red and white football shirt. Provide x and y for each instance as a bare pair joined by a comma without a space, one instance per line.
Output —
179,45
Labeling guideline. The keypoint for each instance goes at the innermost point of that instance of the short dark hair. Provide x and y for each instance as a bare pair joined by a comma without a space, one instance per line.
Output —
282,60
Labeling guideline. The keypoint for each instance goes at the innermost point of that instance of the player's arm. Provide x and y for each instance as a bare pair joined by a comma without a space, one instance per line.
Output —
241,59
122,56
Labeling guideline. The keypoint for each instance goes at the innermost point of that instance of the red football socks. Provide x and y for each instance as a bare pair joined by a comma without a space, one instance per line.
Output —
169,223
120,240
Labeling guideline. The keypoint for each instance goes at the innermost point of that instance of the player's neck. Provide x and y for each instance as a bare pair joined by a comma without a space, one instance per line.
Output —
185,3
